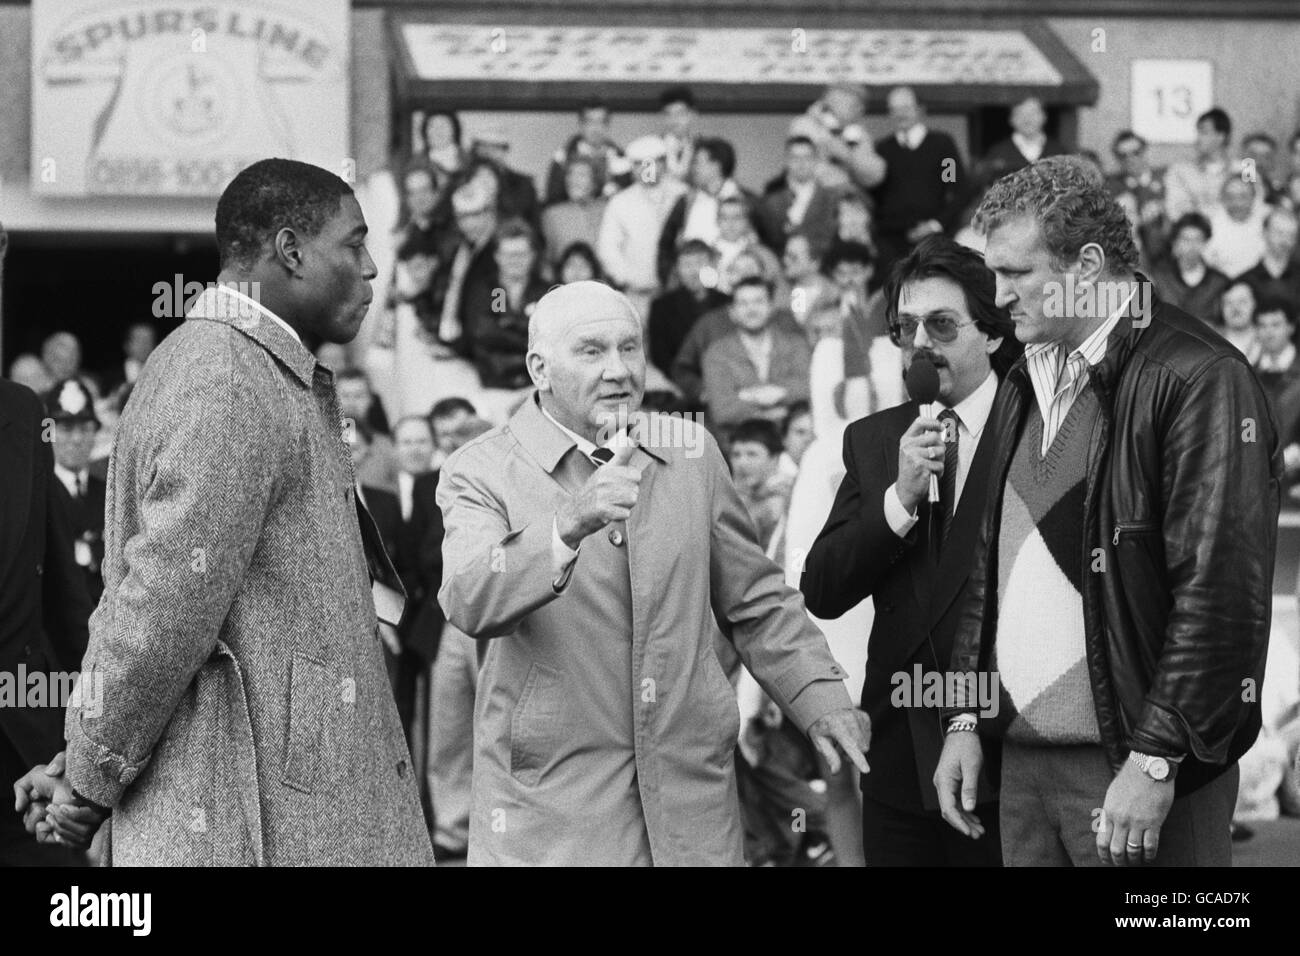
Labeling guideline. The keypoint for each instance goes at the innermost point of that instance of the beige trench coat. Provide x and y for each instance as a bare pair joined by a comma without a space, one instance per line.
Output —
604,728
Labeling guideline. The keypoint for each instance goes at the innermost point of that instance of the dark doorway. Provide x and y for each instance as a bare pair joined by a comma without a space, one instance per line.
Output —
94,285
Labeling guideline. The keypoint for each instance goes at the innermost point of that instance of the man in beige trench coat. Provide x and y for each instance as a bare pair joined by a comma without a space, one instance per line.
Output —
604,727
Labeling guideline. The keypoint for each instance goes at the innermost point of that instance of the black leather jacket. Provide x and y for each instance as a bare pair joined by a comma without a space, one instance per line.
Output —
1180,525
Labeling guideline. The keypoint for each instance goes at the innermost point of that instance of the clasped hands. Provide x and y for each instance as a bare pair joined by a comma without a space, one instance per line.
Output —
51,810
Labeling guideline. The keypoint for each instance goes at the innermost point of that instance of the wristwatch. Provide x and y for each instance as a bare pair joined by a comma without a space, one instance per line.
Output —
1159,769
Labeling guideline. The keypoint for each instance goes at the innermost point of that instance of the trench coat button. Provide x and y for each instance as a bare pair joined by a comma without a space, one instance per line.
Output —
401,768
616,537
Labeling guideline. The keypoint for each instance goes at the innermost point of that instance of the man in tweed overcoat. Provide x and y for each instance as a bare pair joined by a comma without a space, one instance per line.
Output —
246,716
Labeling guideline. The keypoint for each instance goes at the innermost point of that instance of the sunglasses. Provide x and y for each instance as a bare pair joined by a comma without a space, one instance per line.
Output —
940,328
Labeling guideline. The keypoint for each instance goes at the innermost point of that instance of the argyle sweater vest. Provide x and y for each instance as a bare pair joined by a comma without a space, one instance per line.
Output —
1039,649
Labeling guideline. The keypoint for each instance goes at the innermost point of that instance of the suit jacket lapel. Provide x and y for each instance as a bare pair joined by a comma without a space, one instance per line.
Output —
954,564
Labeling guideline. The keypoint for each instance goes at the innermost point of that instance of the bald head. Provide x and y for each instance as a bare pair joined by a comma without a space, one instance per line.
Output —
568,305
585,355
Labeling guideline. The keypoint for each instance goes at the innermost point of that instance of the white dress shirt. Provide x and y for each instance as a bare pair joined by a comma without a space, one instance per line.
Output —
406,493
262,309
972,415
1031,149
913,137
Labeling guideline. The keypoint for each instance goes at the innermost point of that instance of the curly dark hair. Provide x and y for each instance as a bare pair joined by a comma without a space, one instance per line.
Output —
270,195
1068,199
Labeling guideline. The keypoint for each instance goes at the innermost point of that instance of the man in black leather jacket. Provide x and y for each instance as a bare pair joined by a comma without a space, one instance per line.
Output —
1121,587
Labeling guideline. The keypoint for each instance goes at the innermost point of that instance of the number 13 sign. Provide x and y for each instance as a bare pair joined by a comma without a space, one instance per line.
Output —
1168,95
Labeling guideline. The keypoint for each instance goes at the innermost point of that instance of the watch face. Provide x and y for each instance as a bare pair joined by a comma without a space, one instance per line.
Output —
1158,768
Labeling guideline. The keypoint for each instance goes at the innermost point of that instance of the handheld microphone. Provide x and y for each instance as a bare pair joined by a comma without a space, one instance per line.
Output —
922,382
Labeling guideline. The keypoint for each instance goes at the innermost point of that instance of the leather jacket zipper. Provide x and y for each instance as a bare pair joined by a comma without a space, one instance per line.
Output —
1123,526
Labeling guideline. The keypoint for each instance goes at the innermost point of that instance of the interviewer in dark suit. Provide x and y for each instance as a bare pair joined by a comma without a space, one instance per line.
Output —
44,608
884,540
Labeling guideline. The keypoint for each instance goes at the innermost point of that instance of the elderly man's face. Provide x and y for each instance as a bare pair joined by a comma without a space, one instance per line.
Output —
593,366
904,111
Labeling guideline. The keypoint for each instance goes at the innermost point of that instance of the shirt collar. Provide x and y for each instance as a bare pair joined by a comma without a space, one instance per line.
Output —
973,410
69,477
221,303
584,446
1093,348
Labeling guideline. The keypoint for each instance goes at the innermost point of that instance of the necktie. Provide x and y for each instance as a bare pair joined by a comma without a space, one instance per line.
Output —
601,456
948,480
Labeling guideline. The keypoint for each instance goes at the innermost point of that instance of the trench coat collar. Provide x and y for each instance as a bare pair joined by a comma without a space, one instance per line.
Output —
218,304
545,441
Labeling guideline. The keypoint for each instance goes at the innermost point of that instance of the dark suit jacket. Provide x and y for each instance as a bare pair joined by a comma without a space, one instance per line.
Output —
856,556
87,520
44,609
818,223
424,534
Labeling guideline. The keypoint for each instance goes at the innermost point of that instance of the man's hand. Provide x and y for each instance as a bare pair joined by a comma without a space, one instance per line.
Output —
609,495
1131,818
849,730
957,779
51,810
920,455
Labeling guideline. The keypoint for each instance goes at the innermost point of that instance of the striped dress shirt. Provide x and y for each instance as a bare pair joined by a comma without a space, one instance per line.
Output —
1059,377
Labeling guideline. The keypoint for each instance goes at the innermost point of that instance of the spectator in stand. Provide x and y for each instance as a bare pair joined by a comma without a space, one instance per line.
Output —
797,434
695,215
855,220
1237,242
678,113
801,266
442,147
796,203
1277,274
1237,306
360,405
576,215
61,353
30,371
628,244
592,144
1197,186
753,452
836,122
1291,198
736,237
454,655
872,363
923,189
420,201
1259,160
1275,321
466,261
1028,143
138,342
688,367
516,193
758,369
578,263
1140,189
1184,280
674,313
496,320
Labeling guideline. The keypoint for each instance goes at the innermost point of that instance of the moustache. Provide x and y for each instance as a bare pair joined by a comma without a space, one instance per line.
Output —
935,359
